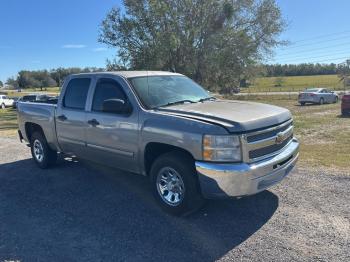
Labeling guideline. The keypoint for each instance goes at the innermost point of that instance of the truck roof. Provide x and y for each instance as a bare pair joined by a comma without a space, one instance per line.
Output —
130,74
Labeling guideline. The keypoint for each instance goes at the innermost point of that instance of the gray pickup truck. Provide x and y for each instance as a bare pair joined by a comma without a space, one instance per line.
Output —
165,126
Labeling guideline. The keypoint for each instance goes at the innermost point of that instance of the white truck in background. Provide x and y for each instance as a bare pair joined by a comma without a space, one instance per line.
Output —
5,101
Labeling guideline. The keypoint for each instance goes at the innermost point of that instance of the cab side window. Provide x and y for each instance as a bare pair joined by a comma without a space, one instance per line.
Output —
76,93
107,89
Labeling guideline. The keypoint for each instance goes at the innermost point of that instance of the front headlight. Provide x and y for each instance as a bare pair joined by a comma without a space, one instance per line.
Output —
222,148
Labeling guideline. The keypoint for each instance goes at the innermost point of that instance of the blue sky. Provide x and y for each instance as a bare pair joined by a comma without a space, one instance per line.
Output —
318,31
44,34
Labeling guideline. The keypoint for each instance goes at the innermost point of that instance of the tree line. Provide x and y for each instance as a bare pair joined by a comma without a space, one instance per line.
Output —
304,69
55,77
45,78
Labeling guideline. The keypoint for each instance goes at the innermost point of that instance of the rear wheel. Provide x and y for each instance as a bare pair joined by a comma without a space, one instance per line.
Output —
42,154
321,101
175,185
302,103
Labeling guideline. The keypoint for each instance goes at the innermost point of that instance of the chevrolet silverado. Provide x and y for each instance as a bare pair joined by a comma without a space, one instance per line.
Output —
164,125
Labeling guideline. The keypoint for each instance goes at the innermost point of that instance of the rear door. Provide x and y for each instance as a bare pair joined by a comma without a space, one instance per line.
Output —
330,96
112,138
71,116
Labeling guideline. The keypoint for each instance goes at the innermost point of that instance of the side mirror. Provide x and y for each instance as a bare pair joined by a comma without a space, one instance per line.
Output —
115,106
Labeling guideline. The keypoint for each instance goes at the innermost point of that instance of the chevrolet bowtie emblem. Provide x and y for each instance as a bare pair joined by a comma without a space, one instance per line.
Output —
279,138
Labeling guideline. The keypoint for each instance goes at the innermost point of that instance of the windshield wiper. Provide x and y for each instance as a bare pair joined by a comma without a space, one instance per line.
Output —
178,102
206,99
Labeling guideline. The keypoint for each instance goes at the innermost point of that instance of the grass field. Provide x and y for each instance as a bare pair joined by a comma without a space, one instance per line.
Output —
49,90
8,122
294,83
324,135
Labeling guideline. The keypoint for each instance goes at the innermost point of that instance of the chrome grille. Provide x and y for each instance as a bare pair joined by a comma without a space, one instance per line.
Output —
264,143
257,137
269,149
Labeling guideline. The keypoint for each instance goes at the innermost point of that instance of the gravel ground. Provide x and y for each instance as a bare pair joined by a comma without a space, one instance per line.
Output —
80,212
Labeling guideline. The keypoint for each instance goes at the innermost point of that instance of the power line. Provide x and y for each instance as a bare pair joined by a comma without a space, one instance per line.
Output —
321,36
322,54
321,61
311,44
315,49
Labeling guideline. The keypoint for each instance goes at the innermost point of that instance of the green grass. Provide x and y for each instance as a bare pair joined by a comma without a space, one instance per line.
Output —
48,90
294,83
8,122
45,89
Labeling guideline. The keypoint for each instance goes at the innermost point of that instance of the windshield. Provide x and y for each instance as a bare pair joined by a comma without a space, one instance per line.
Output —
312,90
157,91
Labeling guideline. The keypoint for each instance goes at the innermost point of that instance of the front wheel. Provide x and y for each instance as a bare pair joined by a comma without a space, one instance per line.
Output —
175,185
42,154
3,106
336,100
321,101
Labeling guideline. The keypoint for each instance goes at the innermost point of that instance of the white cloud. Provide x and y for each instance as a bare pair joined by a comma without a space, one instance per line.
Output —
73,46
99,49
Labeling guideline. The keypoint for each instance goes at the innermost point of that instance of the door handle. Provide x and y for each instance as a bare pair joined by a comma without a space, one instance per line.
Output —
62,118
93,122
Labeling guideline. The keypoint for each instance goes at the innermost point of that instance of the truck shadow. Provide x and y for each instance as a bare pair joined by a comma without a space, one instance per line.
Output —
83,212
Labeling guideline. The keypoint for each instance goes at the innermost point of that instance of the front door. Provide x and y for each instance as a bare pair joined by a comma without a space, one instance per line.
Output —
112,138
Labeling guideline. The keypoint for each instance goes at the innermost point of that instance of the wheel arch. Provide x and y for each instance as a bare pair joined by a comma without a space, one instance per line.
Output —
31,128
155,149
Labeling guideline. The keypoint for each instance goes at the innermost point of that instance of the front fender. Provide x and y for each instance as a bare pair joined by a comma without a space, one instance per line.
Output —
176,131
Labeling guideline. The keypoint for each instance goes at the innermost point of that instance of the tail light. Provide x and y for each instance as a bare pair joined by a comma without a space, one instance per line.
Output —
312,95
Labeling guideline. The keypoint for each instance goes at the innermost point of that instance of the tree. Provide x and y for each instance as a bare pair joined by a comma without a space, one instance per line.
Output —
1,84
37,79
215,42
12,83
60,73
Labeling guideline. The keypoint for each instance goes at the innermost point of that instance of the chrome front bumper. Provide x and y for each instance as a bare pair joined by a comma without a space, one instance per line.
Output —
233,180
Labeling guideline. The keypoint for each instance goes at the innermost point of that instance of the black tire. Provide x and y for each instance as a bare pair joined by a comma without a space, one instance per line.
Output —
302,103
192,198
321,101
49,156
3,106
336,100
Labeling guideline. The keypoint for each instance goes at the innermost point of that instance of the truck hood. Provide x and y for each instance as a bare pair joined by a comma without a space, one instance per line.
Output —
235,116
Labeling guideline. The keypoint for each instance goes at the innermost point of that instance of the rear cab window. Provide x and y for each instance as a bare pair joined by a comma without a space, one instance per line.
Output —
76,93
28,98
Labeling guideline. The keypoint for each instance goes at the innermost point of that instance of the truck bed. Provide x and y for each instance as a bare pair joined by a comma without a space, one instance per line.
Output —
41,114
